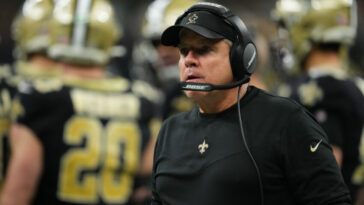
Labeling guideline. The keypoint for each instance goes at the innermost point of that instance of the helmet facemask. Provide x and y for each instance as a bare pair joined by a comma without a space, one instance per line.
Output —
83,32
315,22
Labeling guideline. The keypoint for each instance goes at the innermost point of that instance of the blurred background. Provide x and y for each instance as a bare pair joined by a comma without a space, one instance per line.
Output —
135,60
256,14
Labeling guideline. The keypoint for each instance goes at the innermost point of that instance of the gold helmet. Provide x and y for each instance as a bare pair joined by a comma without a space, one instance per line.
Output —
83,32
306,22
30,27
161,14
149,65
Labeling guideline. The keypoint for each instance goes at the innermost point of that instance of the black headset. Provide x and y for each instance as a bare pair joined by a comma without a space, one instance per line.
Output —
243,52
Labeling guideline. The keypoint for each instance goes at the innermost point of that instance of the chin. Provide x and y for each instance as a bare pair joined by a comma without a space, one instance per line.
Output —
195,95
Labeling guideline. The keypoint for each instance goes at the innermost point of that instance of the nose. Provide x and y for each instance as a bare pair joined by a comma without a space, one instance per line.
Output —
190,59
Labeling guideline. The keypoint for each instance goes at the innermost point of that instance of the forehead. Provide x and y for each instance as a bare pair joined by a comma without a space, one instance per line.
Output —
188,36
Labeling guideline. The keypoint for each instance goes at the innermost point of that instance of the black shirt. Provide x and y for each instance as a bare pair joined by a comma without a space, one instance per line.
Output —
291,150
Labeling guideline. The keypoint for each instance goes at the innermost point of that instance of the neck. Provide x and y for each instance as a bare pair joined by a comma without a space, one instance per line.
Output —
94,72
42,61
257,81
220,100
318,58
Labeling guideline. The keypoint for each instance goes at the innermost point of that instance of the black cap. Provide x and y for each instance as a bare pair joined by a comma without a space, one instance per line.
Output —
202,22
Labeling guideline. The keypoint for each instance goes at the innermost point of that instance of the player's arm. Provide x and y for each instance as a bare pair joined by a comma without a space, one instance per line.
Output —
146,165
338,154
25,167
333,127
143,192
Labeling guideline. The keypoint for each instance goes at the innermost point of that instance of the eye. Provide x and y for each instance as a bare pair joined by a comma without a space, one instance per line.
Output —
204,50
184,51
200,51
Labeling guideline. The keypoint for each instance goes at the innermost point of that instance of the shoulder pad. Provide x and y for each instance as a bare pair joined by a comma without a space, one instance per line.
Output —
30,71
5,71
45,85
41,85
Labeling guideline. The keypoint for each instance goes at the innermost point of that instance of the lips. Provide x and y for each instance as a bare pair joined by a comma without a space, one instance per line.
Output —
194,78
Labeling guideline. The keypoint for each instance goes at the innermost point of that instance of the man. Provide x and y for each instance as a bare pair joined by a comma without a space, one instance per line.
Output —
83,138
259,149
320,33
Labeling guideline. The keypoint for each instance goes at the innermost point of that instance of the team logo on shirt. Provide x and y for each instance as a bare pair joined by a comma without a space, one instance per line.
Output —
310,93
202,147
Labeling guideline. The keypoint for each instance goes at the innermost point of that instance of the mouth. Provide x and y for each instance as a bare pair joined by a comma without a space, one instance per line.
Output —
193,78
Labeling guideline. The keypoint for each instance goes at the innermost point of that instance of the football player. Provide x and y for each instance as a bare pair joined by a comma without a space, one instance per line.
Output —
319,33
30,33
81,138
156,63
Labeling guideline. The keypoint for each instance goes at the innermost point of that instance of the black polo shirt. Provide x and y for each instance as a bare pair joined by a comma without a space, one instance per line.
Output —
201,158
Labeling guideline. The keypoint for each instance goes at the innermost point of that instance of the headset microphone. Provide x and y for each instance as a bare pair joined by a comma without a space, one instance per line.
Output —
206,87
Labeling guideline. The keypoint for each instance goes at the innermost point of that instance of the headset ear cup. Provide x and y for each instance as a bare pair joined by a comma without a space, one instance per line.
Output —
250,57
236,61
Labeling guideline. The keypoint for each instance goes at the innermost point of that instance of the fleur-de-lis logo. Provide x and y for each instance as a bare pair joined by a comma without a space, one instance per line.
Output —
192,19
202,147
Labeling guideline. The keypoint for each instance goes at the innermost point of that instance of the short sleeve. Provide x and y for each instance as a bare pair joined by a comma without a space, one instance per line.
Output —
27,109
310,166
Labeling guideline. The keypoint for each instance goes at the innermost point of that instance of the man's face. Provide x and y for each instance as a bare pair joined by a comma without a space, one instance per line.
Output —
203,60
